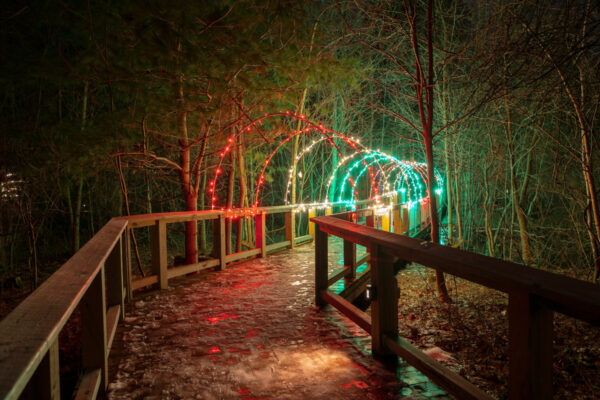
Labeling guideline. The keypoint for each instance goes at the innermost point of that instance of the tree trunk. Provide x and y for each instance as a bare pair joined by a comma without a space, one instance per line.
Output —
230,189
187,186
427,123
243,201
488,213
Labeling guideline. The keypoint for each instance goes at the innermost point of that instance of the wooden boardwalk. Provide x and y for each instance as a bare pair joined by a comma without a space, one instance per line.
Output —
251,332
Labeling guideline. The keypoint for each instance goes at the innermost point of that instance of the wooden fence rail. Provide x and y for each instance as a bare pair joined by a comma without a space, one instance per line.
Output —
534,295
97,280
91,280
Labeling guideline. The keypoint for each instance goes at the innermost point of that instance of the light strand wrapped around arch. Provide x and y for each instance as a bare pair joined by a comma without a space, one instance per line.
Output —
387,176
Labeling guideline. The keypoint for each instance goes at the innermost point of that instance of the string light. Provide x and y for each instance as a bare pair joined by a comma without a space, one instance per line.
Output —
381,168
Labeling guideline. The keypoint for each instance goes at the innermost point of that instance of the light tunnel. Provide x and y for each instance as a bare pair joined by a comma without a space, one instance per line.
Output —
360,173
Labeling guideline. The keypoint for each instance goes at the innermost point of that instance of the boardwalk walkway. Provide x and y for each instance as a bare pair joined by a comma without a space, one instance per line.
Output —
251,332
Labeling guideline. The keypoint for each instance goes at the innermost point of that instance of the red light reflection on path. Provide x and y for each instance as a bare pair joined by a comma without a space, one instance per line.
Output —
358,384
221,317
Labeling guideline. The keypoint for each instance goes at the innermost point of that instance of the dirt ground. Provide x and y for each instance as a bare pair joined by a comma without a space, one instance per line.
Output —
470,336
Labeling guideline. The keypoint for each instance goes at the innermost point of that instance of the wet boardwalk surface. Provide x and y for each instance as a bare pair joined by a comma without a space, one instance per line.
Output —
251,332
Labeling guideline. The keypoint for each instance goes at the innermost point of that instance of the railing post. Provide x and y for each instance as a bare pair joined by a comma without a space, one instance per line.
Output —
321,264
127,263
311,225
260,237
350,260
384,302
405,225
45,382
93,329
219,246
350,256
397,219
370,219
530,347
385,221
114,276
290,228
159,252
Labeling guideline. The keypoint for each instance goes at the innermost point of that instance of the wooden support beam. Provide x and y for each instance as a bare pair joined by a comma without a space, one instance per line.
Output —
158,242
350,260
355,314
113,268
93,329
290,228
89,385
112,321
337,275
126,252
321,265
451,381
260,235
384,305
355,288
530,332
45,382
191,268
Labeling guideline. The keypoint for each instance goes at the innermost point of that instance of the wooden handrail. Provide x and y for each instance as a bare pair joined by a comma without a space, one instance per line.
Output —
533,296
29,334
566,295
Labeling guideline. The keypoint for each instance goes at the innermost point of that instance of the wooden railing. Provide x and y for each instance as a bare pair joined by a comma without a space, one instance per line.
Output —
93,281
157,223
98,280
533,296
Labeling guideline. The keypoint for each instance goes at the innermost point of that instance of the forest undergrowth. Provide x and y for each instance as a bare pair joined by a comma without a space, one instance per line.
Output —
470,336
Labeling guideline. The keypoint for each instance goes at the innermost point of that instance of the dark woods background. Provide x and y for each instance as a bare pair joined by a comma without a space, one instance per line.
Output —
109,108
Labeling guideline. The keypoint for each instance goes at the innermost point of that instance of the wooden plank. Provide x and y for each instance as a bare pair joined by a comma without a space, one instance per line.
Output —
384,304
242,254
530,348
112,321
188,269
303,239
260,236
45,383
113,270
448,380
277,209
93,329
277,246
569,296
356,287
138,221
144,282
88,386
337,275
364,259
290,228
27,332
158,247
321,265
355,314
